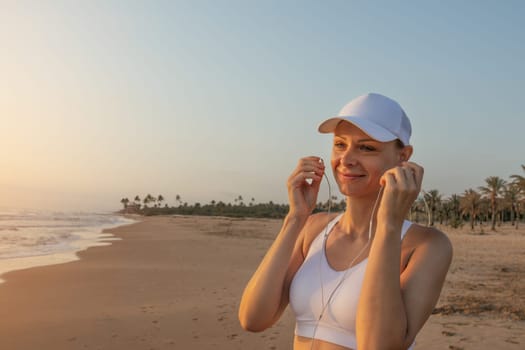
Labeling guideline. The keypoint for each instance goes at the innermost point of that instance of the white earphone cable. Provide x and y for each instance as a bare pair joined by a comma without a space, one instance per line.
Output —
323,255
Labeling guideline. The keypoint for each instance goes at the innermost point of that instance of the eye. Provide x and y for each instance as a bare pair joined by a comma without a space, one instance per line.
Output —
339,144
367,148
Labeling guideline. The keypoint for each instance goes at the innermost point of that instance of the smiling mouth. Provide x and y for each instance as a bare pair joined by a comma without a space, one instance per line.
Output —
351,176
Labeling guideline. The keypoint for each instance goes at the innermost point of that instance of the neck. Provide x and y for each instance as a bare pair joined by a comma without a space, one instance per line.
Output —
356,219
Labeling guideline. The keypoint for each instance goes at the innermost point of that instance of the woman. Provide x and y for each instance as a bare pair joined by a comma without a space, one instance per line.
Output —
366,278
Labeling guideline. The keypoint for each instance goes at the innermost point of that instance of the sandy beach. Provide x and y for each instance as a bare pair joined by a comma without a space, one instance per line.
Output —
175,283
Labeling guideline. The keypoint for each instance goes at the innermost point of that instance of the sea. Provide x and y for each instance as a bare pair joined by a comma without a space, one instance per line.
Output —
30,238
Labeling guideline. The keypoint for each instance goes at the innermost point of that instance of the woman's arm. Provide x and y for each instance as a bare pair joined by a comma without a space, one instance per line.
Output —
393,308
423,279
264,298
266,294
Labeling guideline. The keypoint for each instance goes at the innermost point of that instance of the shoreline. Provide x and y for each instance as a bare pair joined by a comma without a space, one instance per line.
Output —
175,282
93,237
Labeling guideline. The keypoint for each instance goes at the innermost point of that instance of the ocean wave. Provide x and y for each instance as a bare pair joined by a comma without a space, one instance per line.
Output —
27,233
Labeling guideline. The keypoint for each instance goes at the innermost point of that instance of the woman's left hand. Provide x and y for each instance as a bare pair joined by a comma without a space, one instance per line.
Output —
401,186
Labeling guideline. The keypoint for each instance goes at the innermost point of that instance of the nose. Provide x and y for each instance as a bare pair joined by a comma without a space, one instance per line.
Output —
348,157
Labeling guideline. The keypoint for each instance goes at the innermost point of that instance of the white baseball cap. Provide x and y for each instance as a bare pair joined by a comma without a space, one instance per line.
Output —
376,115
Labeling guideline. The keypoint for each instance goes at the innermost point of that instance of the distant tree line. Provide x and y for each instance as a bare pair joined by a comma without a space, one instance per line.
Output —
496,202
151,205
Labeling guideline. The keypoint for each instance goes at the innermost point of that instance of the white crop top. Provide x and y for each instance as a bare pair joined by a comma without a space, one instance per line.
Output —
338,322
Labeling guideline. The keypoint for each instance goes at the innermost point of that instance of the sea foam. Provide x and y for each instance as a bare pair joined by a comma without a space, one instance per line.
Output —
30,238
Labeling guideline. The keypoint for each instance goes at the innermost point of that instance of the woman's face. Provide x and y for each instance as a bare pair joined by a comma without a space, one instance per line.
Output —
358,161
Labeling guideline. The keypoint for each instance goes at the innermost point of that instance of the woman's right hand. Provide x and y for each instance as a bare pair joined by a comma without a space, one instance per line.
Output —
303,185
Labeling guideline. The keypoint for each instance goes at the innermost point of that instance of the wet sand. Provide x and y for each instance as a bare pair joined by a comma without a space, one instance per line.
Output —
175,283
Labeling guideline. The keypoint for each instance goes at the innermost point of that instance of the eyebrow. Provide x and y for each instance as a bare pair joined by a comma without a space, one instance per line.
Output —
360,140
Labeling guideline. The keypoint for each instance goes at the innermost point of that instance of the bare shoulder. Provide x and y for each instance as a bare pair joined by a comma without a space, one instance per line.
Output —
313,227
430,241
430,235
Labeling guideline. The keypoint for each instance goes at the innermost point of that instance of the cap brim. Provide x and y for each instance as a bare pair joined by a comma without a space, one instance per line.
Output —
370,128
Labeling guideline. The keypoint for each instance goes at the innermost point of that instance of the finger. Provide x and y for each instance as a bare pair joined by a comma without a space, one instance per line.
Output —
409,175
311,162
412,181
311,178
316,184
315,158
304,177
312,168
404,179
417,172
388,179
308,168
401,178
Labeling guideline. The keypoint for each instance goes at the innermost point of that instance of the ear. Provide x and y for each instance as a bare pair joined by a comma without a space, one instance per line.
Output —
405,153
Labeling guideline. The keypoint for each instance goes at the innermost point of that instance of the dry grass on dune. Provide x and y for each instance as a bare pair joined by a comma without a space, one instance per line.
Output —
484,278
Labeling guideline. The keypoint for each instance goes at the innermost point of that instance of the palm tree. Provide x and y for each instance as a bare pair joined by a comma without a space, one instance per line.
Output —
153,199
137,200
492,191
124,202
511,199
160,199
519,180
484,210
433,198
451,210
470,204
148,199
518,213
177,199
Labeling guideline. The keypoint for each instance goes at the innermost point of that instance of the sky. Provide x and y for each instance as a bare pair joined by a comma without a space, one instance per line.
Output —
209,100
